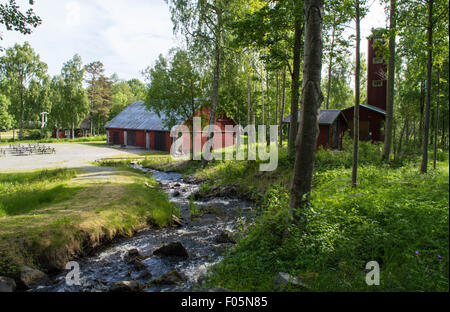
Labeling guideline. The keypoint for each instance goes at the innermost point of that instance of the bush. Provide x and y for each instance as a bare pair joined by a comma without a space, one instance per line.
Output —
34,135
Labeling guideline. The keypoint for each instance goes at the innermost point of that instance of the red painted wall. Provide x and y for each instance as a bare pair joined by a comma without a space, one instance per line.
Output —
325,139
375,121
111,136
324,135
376,96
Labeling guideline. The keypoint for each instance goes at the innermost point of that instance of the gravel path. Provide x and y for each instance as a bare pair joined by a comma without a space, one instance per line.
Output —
67,156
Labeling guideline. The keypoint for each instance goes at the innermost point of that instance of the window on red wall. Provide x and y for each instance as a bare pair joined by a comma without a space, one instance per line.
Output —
377,83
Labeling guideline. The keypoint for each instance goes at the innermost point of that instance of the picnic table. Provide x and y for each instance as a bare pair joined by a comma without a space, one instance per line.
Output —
30,149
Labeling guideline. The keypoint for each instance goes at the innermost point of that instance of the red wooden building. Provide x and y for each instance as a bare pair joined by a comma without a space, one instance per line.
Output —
332,124
81,131
137,126
373,115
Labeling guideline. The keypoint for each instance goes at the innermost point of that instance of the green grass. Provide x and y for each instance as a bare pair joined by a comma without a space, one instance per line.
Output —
50,217
24,192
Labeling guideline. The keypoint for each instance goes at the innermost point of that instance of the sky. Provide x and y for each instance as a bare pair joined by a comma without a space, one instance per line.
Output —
126,36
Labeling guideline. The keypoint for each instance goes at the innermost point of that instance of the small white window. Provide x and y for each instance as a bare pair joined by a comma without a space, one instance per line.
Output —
377,83
378,60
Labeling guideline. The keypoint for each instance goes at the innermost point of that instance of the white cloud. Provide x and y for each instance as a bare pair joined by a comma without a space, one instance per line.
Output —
126,36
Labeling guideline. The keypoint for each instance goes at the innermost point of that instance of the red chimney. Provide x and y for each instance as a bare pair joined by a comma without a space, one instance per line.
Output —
377,76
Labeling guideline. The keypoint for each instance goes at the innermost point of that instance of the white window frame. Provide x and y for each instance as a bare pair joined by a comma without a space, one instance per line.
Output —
377,83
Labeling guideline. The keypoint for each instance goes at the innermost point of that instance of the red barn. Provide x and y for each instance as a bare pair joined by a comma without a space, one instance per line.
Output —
138,126
332,124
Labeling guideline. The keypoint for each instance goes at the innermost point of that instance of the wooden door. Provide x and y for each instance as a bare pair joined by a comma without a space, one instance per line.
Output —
116,140
131,138
160,141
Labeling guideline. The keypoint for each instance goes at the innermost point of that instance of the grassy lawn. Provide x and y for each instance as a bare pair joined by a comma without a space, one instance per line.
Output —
49,217
396,216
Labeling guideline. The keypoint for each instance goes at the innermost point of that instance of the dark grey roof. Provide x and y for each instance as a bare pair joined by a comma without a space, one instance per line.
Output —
85,124
327,116
138,117
370,107
376,109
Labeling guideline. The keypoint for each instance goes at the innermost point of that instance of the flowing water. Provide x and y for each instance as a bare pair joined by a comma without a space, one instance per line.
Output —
198,235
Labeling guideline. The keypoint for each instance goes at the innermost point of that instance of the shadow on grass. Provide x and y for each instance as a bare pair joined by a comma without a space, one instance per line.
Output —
22,202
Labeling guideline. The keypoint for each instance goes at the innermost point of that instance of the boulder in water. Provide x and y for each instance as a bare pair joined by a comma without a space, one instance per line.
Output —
133,256
7,285
225,238
175,249
32,278
127,286
170,278
177,221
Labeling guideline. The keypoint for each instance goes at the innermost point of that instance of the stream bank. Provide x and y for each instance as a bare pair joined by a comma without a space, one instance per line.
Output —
131,265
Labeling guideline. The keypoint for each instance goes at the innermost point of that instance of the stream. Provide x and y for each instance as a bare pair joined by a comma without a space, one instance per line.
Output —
198,235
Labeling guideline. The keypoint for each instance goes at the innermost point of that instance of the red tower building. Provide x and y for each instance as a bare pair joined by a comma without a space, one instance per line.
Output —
372,114
377,74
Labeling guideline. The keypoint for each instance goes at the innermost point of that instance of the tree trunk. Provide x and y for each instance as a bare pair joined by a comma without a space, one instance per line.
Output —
407,133
357,98
277,97
295,78
390,85
268,110
422,104
22,110
249,101
306,142
436,122
283,107
262,99
215,94
424,166
254,108
330,65
400,142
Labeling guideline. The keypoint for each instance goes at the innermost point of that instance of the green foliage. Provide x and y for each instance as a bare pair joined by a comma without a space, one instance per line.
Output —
396,217
24,75
14,19
175,88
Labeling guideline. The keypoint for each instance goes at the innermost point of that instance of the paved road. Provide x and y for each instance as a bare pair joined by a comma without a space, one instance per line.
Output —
67,156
